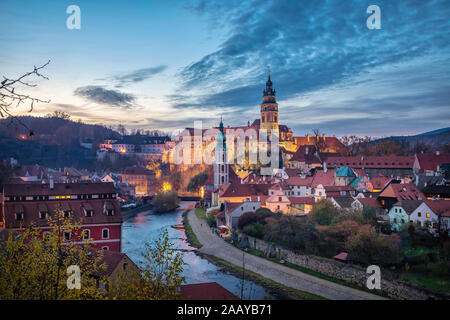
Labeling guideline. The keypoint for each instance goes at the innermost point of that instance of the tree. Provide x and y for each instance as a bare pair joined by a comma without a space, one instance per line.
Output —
35,268
367,247
323,212
9,97
197,181
58,114
165,201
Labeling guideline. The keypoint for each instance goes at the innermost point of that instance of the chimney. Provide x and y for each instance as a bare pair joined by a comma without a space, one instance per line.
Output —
52,182
307,137
438,153
306,150
325,167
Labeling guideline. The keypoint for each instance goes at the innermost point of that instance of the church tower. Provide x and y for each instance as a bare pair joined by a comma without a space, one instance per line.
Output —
269,108
220,158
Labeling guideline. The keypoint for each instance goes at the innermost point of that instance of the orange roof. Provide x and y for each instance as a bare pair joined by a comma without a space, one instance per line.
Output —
402,191
405,162
323,178
206,291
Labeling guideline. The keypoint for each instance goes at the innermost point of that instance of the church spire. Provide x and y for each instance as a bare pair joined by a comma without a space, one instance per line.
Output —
269,91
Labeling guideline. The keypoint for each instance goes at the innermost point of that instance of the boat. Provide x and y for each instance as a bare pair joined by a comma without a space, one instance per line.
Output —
178,227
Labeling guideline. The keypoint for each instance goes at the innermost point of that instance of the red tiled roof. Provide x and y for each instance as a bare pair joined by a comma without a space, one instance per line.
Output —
370,202
206,291
430,161
302,200
34,189
402,191
243,190
298,181
439,207
379,182
343,256
31,212
404,162
230,206
323,178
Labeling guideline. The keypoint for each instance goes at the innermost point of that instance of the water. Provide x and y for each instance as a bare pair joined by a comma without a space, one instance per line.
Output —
146,227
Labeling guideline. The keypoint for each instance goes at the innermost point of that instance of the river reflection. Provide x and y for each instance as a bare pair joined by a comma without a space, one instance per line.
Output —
146,227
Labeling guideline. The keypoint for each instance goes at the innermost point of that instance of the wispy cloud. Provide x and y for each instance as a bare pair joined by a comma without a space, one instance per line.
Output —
101,95
135,76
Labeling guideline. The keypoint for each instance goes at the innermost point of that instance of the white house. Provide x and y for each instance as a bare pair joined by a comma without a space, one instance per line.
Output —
431,213
233,211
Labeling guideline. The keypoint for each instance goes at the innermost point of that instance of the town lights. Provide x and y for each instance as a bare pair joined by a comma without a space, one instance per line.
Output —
166,186
123,150
202,192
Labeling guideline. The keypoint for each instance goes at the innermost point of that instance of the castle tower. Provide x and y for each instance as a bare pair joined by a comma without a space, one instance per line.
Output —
269,108
220,159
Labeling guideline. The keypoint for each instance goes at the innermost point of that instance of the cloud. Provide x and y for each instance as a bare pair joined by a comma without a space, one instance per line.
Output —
309,45
101,95
135,76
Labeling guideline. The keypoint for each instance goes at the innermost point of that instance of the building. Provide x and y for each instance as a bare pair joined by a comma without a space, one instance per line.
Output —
432,214
233,211
221,167
395,192
430,163
141,178
400,212
94,204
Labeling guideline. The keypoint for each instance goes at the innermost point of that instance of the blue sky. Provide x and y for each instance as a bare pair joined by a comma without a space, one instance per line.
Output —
165,64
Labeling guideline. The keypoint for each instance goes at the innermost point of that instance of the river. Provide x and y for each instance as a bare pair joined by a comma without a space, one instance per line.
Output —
146,226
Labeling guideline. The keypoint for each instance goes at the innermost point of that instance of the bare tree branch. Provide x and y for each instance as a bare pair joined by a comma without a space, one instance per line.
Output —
9,98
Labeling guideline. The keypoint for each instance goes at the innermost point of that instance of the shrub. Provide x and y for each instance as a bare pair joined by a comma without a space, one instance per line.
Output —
258,216
323,212
255,230
165,201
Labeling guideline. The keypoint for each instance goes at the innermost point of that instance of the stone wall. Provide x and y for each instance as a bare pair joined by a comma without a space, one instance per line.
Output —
340,270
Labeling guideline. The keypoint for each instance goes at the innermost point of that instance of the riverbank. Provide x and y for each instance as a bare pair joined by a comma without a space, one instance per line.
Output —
127,214
280,274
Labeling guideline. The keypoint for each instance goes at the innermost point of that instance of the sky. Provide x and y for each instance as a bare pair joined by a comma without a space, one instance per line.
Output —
165,64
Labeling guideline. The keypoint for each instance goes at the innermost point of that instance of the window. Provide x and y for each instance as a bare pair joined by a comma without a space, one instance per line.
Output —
428,215
110,212
395,220
46,235
66,214
419,214
19,216
86,234
395,210
105,248
67,235
42,215
279,199
125,265
403,220
105,233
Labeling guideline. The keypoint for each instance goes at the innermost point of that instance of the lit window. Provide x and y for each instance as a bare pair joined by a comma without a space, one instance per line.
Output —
428,215
67,236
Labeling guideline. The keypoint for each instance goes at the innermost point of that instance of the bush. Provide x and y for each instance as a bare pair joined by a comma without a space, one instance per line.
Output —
367,247
258,216
255,230
165,201
323,212
197,181
417,259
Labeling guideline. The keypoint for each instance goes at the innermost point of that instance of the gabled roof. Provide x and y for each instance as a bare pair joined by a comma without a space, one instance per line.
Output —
298,181
379,182
370,202
344,202
438,206
430,161
323,178
402,191
409,205
345,172
302,200
33,189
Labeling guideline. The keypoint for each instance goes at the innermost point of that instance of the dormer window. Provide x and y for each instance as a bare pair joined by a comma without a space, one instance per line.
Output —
42,215
88,210
66,213
109,208
19,216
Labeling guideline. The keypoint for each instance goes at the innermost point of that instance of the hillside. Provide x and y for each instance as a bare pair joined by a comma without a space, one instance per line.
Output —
56,142
435,139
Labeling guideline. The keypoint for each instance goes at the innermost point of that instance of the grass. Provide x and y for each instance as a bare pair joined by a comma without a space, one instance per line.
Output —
200,213
284,290
312,272
192,238
429,281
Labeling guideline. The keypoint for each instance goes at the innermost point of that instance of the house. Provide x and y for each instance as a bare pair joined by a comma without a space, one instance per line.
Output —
400,213
380,212
376,184
299,186
94,204
339,191
430,163
206,291
344,176
141,178
301,205
437,192
395,192
278,202
234,210
346,203
431,214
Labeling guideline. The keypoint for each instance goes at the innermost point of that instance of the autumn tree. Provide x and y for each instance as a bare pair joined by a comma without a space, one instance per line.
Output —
197,181
165,201
323,212
35,267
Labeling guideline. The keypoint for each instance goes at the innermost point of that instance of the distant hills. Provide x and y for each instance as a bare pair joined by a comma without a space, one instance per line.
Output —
435,139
